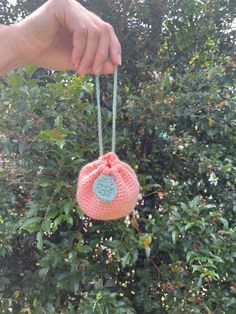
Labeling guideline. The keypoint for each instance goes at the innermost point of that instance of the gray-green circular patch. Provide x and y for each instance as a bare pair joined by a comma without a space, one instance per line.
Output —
105,188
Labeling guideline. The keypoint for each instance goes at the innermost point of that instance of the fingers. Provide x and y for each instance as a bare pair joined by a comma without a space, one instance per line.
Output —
92,40
108,54
114,47
96,48
102,53
79,45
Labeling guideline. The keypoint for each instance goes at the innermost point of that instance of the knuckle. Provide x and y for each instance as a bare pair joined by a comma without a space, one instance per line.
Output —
95,31
104,27
110,27
83,29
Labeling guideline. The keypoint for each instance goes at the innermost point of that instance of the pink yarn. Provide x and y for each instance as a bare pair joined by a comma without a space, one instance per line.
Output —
125,179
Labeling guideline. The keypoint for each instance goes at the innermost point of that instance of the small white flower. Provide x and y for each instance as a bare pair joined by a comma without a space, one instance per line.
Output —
173,182
127,221
213,179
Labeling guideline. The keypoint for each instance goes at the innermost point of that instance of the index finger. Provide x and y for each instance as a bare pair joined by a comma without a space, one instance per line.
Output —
114,47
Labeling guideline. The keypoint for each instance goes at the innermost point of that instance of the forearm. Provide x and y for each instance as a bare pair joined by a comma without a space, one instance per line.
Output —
9,57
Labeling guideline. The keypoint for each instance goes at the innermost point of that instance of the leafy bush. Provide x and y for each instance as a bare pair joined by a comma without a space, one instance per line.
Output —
176,128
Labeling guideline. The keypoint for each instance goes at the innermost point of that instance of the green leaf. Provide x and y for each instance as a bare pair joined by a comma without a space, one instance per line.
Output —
60,143
68,206
175,234
224,222
125,260
195,268
39,239
57,222
43,272
75,284
68,219
234,208
58,122
15,80
31,222
46,225
113,244
86,249
218,259
233,254
195,202
189,255
44,181
30,70
188,226
4,281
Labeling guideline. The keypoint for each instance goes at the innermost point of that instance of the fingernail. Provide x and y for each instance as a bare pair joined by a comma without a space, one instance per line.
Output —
98,69
119,59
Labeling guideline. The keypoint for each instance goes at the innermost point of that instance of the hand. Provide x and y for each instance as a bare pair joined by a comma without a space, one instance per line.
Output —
63,35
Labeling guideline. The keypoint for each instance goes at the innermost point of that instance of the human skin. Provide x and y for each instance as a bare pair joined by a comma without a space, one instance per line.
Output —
60,35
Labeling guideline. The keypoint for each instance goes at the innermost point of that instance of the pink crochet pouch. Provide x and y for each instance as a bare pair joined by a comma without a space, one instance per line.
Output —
107,188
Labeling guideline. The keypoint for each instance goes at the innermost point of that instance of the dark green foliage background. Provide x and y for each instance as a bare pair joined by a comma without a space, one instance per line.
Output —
176,128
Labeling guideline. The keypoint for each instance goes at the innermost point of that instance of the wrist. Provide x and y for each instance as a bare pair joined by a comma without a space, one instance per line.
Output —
10,52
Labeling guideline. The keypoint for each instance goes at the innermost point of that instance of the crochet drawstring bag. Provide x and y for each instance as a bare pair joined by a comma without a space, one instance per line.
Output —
107,188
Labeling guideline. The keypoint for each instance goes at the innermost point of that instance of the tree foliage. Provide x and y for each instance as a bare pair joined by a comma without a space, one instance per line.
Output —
176,128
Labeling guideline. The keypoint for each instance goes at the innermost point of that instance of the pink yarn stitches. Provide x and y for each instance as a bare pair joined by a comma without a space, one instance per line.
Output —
125,179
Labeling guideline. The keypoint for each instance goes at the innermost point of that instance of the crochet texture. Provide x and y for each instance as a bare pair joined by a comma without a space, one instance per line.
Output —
107,188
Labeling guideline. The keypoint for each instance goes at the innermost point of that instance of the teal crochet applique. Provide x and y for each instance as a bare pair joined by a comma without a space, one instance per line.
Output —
105,188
